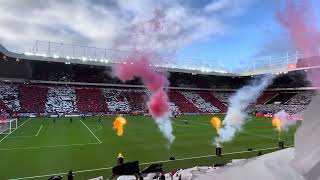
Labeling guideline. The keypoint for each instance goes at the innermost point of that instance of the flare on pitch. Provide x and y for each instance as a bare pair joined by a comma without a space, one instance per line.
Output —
276,122
216,123
118,124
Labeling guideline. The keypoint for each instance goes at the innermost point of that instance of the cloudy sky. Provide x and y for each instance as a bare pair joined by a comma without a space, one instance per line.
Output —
228,30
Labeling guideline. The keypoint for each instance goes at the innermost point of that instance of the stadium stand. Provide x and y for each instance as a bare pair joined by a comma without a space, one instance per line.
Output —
83,96
61,100
207,96
50,99
32,98
186,83
199,102
9,101
222,96
301,98
90,100
265,97
174,109
281,98
293,103
183,104
137,99
274,108
116,101
78,99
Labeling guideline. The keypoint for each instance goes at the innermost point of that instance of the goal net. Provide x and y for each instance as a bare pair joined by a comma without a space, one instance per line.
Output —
8,125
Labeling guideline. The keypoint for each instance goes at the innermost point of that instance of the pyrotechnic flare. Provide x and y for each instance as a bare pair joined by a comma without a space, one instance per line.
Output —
277,124
281,121
216,123
118,124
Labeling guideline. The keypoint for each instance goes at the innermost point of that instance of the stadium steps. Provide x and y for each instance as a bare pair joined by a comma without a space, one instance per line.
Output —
207,96
282,98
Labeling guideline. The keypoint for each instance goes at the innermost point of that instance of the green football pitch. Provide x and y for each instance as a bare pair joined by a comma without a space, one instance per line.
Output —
40,148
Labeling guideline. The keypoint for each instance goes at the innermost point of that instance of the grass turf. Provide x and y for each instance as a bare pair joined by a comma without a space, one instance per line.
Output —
41,147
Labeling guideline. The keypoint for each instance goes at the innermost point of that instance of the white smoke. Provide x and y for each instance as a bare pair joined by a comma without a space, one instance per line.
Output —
284,119
238,103
165,127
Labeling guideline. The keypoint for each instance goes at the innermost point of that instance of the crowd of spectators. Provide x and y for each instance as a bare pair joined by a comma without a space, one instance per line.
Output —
32,98
116,100
61,100
53,99
9,101
199,102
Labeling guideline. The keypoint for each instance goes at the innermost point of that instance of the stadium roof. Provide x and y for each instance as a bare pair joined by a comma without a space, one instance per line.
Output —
98,57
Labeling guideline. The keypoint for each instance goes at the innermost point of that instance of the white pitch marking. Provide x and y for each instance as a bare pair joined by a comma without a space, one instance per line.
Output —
146,163
91,132
100,127
39,130
15,130
17,137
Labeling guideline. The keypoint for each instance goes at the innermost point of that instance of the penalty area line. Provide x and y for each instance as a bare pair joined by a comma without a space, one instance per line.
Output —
15,129
99,129
145,163
91,132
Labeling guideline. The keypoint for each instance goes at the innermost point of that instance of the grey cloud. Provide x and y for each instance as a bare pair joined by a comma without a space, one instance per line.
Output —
108,23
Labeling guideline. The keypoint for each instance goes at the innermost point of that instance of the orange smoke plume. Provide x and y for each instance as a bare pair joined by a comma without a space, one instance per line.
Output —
277,124
118,124
216,123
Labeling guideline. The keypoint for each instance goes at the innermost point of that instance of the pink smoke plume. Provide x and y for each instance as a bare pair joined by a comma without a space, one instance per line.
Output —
158,104
297,19
139,65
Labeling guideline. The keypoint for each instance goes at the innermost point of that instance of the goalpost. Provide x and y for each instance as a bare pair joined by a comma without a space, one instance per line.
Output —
8,125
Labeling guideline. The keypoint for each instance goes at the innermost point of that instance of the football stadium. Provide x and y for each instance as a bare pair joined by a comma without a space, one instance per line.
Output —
73,108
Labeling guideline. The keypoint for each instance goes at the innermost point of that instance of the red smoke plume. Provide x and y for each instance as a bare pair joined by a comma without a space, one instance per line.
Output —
297,19
158,104
139,66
